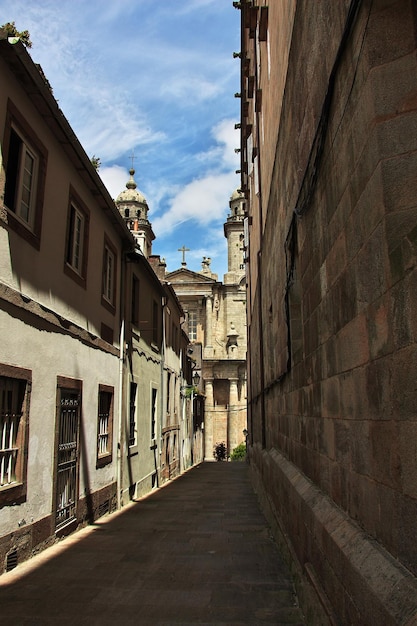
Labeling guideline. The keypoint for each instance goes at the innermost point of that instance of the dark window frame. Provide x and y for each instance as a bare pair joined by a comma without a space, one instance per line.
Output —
109,304
65,385
104,458
135,301
155,322
15,493
76,204
154,412
16,124
132,435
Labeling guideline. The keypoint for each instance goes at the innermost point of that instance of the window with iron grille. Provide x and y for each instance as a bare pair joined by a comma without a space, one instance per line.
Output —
105,425
132,415
25,165
67,451
11,401
14,412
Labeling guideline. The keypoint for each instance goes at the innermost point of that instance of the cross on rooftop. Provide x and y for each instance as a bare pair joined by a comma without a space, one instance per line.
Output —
183,250
132,158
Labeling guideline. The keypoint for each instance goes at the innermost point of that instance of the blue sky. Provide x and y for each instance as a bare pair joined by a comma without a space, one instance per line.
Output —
155,78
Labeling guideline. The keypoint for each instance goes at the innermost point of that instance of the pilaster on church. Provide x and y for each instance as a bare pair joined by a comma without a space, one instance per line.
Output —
208,347
233,436
209,418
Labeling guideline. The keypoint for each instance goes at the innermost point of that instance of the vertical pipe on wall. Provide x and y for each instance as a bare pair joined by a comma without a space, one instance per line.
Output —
119,425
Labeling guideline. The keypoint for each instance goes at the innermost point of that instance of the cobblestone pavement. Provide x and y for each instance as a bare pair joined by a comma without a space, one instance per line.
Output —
197,551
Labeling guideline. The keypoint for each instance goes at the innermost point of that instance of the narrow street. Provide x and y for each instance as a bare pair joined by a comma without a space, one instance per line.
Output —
197,551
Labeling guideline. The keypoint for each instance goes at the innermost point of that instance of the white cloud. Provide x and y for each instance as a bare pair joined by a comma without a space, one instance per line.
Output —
203,200
110,128
150,77
114,178
226,133
190,90
196,5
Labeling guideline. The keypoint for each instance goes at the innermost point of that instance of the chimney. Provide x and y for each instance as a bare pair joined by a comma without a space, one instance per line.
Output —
158,265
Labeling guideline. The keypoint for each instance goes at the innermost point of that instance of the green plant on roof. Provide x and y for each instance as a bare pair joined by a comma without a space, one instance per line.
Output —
11,31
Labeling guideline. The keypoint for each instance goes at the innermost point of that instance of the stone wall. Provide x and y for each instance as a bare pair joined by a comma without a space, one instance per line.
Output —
333,300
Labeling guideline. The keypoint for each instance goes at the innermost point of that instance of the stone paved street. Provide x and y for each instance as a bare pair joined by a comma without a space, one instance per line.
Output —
197,551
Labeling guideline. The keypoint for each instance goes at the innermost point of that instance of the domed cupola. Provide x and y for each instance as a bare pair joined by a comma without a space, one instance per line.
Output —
133,207
237,205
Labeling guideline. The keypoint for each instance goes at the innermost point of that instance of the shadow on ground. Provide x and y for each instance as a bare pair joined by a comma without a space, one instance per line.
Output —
197,551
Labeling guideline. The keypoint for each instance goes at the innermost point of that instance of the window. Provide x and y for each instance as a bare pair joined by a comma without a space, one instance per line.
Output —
106,333
21,188
155,322
14,417
174,448
77,240
109,276
153,413
192,325
135,301
132,415
67,451
173,336
168,407
105,425
25,165
176,339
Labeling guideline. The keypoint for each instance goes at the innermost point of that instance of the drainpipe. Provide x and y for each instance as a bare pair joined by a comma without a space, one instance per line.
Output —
119,435
162,403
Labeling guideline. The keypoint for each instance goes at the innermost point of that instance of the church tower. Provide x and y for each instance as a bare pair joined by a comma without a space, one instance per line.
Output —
134,209
215,314
233,231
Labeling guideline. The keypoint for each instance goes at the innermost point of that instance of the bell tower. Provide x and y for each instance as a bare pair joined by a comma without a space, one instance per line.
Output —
133,207
234,233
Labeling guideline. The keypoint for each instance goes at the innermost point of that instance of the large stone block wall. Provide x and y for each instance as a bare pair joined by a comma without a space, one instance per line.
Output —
363,583
341,420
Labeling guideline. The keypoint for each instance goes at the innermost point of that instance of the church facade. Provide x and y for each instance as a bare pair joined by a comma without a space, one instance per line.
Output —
215,316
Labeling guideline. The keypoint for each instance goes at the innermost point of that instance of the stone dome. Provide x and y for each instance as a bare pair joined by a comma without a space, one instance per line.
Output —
237,195
131,193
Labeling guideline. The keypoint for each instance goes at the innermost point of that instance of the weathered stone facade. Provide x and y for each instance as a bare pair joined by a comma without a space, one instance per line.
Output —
329,156
216,323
